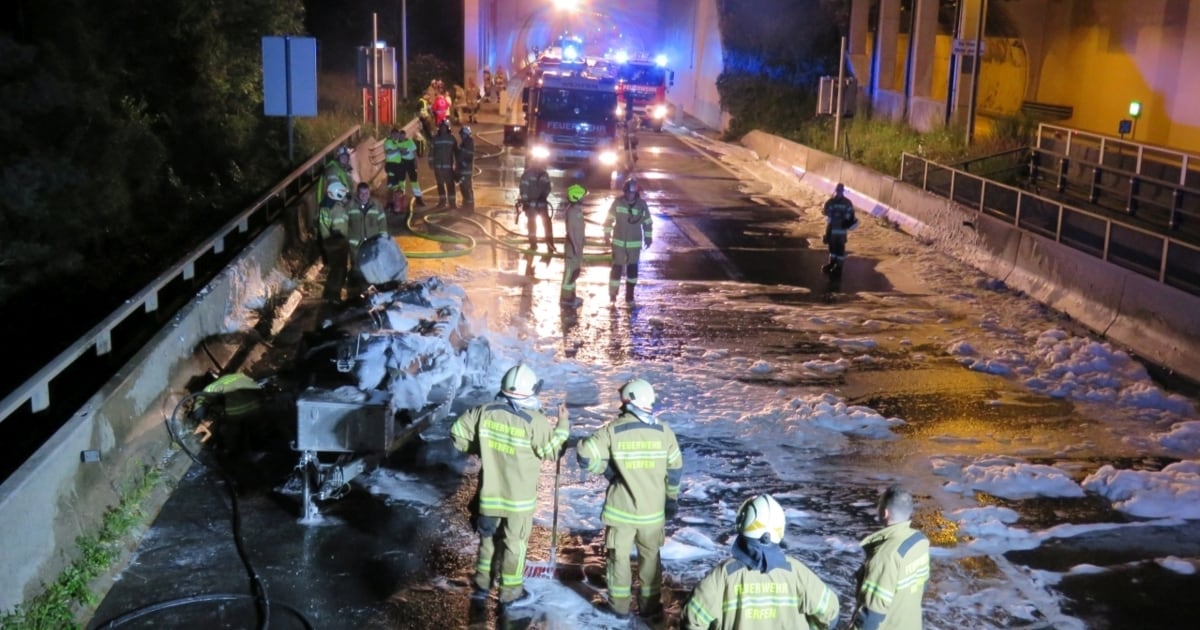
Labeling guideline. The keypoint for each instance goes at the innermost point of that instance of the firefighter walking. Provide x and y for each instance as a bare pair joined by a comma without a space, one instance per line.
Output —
510,435
627,229
839,221
640,456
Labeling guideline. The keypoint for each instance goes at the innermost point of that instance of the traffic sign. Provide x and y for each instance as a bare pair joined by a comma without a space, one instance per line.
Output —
967,47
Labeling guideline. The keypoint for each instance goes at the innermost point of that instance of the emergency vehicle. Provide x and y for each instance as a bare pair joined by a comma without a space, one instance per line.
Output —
570,116
646,81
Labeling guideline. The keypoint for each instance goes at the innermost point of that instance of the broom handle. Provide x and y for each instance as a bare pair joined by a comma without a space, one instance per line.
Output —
554,518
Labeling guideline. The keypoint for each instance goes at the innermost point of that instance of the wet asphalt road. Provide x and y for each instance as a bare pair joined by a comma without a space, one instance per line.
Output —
378,564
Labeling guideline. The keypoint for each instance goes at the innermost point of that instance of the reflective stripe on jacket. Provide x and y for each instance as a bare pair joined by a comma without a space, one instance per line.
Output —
628,223
734,596
643,465
509,441
892,580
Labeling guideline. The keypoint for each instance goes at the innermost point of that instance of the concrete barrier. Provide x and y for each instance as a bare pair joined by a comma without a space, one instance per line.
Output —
1151,319
55,497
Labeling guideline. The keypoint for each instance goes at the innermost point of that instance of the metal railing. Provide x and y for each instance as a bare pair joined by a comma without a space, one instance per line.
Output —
1157,184
36,389
1162,257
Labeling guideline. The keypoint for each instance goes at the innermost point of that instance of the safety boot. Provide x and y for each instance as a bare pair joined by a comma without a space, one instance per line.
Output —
629,291
441,203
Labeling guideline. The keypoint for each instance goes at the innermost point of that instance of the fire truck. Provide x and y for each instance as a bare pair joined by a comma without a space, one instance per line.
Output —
570,115
644,81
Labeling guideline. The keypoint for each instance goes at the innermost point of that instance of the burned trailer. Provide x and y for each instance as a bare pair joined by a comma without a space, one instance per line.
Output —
381,371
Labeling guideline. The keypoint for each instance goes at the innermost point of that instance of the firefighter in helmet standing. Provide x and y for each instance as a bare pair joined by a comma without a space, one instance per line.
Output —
760,587
400,164
839,221
640,457
510,435
534,201
332,228
573,248
443,154
627,229
466,167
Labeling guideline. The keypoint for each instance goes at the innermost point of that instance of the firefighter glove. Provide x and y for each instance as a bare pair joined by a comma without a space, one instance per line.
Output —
648,241
671,508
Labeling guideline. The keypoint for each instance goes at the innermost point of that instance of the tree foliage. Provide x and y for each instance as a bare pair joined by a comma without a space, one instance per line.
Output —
126,128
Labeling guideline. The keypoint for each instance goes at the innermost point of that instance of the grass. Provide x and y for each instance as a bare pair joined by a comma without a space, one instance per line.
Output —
56,607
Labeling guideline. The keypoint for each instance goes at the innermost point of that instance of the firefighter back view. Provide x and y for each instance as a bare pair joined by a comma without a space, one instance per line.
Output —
533,199
627,228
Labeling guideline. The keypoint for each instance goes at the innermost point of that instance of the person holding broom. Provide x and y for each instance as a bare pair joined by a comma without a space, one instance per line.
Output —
639,455
511,436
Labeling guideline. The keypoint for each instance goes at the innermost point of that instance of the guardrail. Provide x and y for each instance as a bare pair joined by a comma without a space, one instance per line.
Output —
1166,259
1118,174
36,390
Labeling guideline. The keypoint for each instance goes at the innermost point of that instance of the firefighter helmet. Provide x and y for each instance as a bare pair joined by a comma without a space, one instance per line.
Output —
631,186
337,191
762,518
520,382
638,393
465,131
575,192
342,151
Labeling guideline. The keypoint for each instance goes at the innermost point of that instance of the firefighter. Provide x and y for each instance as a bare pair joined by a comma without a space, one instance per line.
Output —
466,167
337,168
839,221
892,580
400,164
760,587
364,219
443,154
510,435
534,200
627,229
640,457
573,248
332,228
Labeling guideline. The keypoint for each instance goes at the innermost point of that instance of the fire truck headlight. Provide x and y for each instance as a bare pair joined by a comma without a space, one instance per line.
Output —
608,158
660,111
539,151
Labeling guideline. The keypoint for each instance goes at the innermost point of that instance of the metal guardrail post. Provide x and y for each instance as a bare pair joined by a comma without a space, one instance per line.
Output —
1094,187
1063,164
1176,207
1131,204
1058,223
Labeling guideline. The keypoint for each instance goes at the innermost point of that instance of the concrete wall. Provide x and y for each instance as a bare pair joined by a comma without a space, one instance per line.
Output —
54,498
1153,320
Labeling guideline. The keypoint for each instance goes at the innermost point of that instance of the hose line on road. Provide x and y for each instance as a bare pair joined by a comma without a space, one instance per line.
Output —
513,240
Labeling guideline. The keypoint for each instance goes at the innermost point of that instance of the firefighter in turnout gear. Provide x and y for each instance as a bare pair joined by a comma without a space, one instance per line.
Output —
892,580
443,154
332,228
466,167
640,457
839,221
400,164
627,229
760,587
533,197
364,219
510,435
573,257
337,169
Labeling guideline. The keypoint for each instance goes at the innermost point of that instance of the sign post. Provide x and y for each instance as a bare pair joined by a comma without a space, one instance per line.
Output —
289,79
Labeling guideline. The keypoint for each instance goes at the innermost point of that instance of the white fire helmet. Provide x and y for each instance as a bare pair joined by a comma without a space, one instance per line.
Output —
762,517
337,191
520,382
638,393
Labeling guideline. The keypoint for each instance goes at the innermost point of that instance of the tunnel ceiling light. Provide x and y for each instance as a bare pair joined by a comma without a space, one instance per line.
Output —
1135,109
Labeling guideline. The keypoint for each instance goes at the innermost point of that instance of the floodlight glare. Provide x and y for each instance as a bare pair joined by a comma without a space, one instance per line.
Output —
661,60
1135,109
569,53
622,56
381,44
566,5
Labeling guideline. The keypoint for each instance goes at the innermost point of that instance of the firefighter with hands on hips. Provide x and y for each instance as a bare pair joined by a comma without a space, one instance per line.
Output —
759,587
534,200
466,167
573,248
443,154
892,580
332,228
400,164
640,457
511,436
627,229
839,221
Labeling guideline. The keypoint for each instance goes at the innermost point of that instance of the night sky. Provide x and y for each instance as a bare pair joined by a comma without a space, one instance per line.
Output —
340,26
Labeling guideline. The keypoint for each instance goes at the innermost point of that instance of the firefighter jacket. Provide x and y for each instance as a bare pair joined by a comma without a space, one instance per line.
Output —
533,190
628,225
642,462
892,580
397,151
333,172
576,231
443,151
733,595
332,218
839,216
509,441
466,154
364,220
